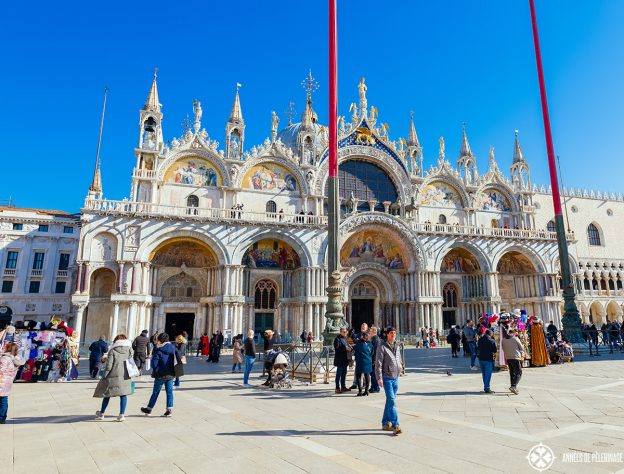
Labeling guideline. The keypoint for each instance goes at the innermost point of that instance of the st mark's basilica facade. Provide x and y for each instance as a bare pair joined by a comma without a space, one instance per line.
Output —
235,237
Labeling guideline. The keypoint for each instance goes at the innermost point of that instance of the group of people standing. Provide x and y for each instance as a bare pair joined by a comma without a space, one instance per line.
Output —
378,363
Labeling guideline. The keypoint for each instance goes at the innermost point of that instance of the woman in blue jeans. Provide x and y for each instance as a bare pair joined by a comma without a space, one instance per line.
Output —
250,356
115,382
164,358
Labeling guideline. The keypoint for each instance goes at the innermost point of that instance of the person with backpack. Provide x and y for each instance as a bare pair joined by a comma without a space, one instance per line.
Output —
115,382
10,362
486,350
164,359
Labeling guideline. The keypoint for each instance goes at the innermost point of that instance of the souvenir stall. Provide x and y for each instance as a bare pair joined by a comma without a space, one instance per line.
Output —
50,351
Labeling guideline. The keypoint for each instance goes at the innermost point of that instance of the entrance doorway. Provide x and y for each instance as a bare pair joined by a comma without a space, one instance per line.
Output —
175,323
363,311
448,318
262,322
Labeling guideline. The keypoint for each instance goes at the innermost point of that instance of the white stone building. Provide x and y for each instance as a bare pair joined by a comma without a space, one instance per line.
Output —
37,258
418,247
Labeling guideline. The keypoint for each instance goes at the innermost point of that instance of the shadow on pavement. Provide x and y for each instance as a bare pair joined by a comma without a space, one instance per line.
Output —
50,419
361,432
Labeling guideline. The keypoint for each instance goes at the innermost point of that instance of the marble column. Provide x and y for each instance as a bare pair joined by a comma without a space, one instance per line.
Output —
115,321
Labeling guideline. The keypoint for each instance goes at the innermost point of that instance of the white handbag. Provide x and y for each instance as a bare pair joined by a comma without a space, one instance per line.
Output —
131,367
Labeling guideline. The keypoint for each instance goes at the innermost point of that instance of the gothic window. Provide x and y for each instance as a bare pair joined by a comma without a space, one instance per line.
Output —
619,284
611,285
593,235
181,287
265,295
594,283
586,283
551,227
449,294
441,219
365,181
271,206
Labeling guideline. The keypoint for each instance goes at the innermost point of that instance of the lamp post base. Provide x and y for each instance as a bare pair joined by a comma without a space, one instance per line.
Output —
572,322
334,318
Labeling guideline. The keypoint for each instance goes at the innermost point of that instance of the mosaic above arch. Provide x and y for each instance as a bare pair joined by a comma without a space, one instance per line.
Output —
493,200
459,261
193,171
271,253
439,194
184,252
515,263
270,177
372,246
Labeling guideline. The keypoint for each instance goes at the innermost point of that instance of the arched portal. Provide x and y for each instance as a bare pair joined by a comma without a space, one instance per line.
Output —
597,314
184,270
276,282
96,319
460,270
521,286
614,312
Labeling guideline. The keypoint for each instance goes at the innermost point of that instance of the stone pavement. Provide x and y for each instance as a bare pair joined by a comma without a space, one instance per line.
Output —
219,426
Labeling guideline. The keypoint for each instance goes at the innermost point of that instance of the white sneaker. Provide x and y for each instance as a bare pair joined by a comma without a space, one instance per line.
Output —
121,418
99,415
248,385
474,367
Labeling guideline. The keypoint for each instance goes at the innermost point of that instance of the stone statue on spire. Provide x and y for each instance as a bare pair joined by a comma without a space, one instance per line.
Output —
197,110
274,124
362,92
441,155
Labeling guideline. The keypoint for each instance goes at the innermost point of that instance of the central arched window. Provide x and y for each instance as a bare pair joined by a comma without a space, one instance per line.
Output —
192,202
265,295
441,219
271,206
366,182
593,235
449,294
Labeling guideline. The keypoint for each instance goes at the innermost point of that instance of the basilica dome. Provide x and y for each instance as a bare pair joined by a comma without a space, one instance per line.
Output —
288,136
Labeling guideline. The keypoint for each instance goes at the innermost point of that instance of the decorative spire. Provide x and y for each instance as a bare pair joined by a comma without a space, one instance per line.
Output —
96,183
465,146
309,117
310,85
236,115
290,113
517,156
412,138
441,154
152,103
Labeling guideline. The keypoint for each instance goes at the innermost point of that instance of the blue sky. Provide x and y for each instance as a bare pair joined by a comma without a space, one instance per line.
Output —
449,61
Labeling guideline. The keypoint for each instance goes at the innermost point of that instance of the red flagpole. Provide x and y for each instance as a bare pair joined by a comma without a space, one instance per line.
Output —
333,91
550,150
571,318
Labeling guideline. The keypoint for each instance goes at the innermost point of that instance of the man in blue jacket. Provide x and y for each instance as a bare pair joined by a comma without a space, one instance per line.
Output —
486,350
97,350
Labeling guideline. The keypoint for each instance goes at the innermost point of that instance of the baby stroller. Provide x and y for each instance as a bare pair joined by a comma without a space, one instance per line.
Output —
279,372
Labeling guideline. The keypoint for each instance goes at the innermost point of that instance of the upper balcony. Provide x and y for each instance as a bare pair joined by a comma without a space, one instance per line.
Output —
144,209
143,173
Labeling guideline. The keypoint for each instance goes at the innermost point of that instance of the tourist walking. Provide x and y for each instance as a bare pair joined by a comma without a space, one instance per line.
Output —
181,343
514,355
388,366
471,337
97,349
220,340
424,335
115,382
453,338
363,351
10,362
214,349
375,341
341,360
486,350
237,356
164,359
250,357
140,346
